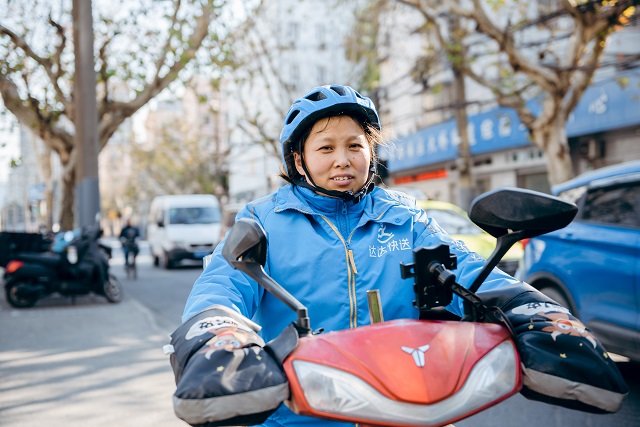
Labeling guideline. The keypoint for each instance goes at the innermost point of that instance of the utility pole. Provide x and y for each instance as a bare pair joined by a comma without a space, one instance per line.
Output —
86,117
465,172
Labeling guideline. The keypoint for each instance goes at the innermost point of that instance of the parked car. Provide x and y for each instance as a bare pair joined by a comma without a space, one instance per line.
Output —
183,227
456,222
592,266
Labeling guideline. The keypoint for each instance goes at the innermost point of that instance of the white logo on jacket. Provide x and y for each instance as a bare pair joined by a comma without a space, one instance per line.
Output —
387,243
384,237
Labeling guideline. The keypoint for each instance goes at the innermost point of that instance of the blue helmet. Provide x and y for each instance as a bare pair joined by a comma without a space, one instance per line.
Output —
324,101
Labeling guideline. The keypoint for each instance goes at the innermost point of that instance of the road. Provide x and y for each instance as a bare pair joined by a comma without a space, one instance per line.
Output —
99,364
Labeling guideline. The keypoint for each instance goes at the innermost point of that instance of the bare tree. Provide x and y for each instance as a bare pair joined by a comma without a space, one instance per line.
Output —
141,48
559,69
265,89
187,157
259,76
365,44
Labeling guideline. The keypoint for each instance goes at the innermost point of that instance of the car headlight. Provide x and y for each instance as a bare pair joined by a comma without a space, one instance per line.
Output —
333,391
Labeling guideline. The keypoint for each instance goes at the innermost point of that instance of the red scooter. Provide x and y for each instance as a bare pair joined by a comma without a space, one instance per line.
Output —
411,372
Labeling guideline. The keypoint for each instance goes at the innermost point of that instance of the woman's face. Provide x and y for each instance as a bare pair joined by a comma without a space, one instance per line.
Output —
337,154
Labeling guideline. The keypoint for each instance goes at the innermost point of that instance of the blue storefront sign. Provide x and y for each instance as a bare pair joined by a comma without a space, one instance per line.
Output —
606,105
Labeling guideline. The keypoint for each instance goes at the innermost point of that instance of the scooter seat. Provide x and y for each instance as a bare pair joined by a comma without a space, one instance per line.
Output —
47,258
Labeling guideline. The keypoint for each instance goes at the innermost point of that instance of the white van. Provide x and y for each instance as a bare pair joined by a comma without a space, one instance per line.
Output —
185,227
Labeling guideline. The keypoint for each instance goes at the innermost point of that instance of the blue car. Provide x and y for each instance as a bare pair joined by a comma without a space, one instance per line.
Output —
592,266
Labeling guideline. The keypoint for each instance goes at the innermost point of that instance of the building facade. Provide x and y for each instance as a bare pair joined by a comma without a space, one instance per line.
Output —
603,129
24,206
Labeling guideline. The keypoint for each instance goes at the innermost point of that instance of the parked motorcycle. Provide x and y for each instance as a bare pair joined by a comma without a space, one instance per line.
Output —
81,266
410,372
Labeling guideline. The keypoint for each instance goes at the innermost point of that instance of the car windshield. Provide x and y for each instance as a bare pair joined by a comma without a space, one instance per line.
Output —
192,215
453,222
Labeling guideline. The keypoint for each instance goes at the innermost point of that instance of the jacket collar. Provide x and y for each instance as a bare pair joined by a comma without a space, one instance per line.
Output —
377,206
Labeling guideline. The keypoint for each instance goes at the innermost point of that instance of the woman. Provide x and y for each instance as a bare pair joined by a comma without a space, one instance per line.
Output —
332,235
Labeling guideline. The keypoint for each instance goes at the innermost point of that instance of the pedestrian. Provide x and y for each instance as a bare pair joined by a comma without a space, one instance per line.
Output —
332,236
129,236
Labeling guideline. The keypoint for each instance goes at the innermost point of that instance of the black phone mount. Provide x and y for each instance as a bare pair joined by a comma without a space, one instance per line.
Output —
435,284
431,269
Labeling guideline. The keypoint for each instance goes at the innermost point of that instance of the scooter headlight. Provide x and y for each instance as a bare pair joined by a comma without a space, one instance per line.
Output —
334,391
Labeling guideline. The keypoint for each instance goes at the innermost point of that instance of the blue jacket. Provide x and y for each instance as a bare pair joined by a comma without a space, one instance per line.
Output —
328,253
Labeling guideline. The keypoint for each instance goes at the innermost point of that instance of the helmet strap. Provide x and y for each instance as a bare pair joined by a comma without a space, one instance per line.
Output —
347,196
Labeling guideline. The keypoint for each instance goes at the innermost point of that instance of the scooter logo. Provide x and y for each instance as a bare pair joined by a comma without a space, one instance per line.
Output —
417,353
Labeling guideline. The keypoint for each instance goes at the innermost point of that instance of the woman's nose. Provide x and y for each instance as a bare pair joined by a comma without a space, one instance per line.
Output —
342,158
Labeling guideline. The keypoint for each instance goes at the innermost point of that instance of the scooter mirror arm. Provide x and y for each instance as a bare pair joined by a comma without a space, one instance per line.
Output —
257,273
475,310
504,243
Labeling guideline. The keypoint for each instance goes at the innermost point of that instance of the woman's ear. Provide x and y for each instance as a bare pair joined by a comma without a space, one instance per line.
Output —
297,159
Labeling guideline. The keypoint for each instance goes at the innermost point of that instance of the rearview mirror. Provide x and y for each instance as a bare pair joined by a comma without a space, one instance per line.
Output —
512,214
514,209
246,242
246,250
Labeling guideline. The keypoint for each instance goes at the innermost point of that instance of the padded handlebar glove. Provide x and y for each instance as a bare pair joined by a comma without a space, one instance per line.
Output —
563,362
223,374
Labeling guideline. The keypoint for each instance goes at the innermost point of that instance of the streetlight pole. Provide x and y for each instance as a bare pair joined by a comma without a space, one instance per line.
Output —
86,117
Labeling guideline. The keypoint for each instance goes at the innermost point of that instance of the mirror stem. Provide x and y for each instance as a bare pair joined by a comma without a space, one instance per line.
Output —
256,272
503,245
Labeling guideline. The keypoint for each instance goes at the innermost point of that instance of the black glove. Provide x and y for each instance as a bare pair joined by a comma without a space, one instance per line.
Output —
563,362
223,374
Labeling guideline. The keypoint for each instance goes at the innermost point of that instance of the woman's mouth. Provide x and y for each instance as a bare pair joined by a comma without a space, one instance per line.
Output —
342,181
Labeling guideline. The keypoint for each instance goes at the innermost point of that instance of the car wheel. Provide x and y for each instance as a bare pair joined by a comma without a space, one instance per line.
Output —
17,299
112,289
556,295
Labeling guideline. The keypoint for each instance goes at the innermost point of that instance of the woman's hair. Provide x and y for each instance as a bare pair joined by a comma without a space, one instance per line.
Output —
373,135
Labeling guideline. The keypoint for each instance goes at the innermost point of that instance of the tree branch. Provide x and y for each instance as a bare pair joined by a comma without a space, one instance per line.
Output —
61,140
162,58
265,138
582,80
114,113
102,72
547,80
57,60
45,63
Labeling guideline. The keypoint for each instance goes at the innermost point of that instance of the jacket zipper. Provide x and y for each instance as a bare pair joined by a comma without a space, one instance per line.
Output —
351,279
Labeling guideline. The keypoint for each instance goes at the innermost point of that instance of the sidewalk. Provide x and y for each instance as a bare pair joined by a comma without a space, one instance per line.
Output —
90,364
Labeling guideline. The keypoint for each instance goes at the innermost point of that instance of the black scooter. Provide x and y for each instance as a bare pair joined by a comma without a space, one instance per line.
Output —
81,268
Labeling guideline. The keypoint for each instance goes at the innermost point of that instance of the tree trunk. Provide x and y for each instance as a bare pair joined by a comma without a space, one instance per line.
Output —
48,179
551,137
466,190
67,211
466,187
